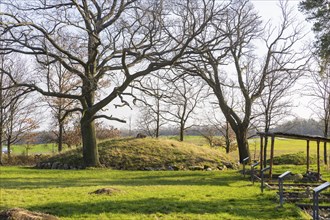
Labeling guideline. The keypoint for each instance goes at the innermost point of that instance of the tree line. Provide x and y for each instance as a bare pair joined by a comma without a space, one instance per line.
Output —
168,56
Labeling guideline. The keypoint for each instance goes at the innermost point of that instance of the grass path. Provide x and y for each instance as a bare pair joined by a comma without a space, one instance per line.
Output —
143,195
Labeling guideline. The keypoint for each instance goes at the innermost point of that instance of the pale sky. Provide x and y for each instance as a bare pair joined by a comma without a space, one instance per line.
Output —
268,9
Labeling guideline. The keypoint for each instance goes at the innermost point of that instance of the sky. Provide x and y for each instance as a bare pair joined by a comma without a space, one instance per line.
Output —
268,9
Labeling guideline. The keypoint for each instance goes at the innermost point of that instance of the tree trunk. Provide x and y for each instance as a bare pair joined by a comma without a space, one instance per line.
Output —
243,146
60,137
1,145
326,125
90,150
181,132
157,119
8,148
325,153
227,138
265,152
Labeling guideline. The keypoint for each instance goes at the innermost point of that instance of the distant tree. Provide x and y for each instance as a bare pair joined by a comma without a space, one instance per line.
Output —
274,104
104,131
318,12
319,90
72,136
300,126
150,103
184,95
21,119
60,81
18,114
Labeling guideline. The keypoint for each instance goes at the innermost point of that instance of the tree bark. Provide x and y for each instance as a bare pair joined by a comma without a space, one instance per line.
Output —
243,146
181,131
158,118
8,148
326,125
325,153
60,138
227,138
90,150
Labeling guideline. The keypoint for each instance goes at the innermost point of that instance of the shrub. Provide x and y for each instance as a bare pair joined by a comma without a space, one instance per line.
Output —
293,158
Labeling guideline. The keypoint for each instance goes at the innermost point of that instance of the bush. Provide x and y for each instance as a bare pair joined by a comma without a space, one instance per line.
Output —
23,160
294,158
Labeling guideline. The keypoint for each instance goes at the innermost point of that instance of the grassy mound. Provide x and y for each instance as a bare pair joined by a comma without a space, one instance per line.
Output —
293,158
150,154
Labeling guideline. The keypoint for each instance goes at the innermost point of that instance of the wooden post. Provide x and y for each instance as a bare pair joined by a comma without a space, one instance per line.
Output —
266,144
271,157
318,159
261,151
307,156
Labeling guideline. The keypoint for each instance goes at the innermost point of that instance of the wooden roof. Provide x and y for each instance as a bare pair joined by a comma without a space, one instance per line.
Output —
294,136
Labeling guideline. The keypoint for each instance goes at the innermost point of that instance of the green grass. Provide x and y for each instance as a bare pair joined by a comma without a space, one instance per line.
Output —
197,140
34,149
144,195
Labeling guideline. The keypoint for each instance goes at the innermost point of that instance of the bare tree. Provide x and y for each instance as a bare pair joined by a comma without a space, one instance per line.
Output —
59,82
232,42
274,103
16,110
21,119
220,126
151,103
320,91
114,40
184,94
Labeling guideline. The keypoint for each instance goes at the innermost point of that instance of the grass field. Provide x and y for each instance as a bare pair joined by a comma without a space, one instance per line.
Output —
282,146
142,195
34,149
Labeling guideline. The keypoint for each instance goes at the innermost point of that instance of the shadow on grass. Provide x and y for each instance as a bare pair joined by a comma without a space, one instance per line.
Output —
48,179
240,208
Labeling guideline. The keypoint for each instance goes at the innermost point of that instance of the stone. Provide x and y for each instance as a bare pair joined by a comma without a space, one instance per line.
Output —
20,214
55,165
196,168
223,167
297,177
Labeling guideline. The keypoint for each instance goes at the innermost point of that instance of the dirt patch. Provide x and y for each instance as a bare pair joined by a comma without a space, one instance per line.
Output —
106,191
23,214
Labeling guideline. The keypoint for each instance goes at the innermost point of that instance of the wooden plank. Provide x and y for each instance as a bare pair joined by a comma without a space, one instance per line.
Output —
295,136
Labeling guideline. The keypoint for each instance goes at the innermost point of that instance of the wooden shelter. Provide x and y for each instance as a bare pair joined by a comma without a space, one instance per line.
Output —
308,138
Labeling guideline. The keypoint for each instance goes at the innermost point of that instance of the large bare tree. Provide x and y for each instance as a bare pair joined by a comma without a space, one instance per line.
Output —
240,52
117,41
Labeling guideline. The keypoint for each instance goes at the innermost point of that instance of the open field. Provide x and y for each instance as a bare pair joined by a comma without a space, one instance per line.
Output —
282,146
142,195
23,149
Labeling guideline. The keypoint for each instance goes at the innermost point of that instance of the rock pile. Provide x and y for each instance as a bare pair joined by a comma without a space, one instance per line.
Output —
58,166
23,214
